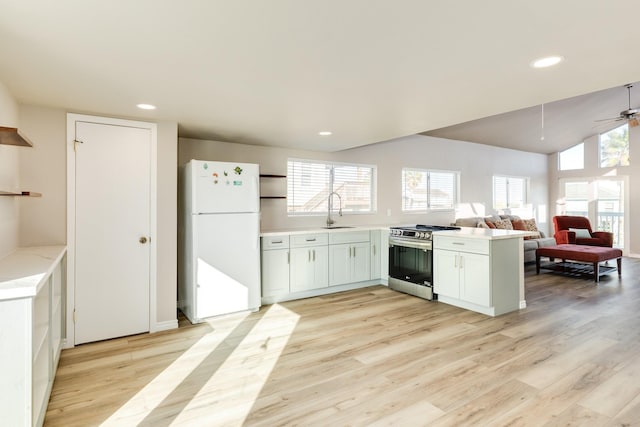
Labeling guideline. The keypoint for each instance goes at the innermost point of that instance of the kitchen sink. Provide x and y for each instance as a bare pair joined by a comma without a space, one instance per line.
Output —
338,226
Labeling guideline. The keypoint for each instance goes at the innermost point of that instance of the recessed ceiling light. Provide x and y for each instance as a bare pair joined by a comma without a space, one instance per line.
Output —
146,106
324,133
548,61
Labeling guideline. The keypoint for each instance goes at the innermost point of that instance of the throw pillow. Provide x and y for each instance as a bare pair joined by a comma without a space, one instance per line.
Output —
482,224
489,223
581,233
530,225
503,224
518,224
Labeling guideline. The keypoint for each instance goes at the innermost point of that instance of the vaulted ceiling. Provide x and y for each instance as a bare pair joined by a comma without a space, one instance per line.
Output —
278,72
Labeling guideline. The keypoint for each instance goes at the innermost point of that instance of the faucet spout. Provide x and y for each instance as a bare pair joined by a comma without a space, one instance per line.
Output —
331,221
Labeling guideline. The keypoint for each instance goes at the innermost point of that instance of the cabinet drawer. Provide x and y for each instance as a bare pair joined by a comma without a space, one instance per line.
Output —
304,240
349,237
275,242
478,246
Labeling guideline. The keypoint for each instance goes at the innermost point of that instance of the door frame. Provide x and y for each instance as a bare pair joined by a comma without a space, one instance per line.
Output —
72,118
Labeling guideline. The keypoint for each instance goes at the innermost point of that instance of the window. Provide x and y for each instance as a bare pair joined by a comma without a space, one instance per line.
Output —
509,192
571,158
310,183
614,147
424,190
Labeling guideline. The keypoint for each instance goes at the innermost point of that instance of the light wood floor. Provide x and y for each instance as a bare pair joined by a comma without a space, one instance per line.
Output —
375,357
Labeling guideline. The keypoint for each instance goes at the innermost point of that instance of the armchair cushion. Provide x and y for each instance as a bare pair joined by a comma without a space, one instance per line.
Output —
581,233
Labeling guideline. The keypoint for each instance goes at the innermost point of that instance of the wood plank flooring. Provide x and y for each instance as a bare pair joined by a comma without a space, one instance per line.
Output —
374,357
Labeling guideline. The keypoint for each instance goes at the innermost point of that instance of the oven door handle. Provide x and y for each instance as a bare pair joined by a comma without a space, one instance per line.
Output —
426,246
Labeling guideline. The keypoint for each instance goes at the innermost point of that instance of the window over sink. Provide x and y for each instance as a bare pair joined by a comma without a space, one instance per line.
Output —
309,183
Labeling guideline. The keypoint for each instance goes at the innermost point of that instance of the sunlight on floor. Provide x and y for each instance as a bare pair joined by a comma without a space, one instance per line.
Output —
234,358
249,366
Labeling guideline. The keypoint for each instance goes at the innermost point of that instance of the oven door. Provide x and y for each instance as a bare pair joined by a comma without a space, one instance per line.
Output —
411,265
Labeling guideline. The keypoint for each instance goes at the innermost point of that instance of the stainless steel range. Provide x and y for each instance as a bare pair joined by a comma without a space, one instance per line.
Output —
411,259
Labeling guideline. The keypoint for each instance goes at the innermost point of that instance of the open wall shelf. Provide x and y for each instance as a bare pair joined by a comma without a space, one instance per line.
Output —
266,175
11,136
20,194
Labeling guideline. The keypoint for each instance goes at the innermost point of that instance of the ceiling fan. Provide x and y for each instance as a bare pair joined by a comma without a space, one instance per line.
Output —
631,115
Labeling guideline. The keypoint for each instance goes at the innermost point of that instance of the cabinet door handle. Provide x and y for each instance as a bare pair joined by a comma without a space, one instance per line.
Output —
311,240
458,243
314,255
288,257
354,251
275,242
455,261
461,261
374,250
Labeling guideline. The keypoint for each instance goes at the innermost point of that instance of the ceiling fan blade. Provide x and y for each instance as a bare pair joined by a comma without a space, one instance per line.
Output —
612,119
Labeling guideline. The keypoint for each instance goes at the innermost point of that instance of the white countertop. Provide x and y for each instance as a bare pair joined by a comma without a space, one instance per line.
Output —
310,230
484,233
24,271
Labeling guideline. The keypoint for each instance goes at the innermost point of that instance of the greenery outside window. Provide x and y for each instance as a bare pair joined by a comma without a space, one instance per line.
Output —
424,190
309,184
614,147
509,192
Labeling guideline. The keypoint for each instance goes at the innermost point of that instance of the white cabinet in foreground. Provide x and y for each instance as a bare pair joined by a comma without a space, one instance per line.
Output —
32,328
482,275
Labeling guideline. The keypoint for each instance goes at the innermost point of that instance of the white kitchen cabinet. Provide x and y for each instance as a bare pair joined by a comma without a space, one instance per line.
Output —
32,290
477,274
349,257
309,262
349,262
462,275
275,266
375,247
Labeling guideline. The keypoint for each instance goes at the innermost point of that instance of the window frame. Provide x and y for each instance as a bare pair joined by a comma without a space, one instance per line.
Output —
428,193
560,168
525,191
330,183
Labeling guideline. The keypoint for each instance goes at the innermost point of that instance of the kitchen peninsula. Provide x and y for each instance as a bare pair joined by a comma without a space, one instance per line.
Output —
480,269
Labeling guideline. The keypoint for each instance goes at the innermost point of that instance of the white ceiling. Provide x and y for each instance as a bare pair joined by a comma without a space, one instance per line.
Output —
277,72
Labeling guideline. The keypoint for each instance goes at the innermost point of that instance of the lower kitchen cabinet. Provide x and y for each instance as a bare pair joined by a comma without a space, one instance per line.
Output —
275,266
375,246
477,274
349,262
462,275
303,265
309,268
309,262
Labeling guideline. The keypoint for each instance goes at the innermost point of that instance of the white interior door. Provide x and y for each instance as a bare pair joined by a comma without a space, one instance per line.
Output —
112,221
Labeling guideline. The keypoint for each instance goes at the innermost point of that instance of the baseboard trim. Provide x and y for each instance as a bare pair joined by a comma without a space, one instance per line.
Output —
164,326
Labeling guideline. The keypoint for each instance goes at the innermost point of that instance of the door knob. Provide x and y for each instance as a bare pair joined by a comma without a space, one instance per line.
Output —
143,240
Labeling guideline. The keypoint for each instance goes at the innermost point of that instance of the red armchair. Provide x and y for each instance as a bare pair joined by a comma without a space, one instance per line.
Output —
562,224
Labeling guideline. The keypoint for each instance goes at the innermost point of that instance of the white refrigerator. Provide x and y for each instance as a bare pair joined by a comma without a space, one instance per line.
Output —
220,253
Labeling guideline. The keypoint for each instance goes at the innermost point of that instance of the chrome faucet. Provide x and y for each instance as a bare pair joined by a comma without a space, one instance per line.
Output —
330,221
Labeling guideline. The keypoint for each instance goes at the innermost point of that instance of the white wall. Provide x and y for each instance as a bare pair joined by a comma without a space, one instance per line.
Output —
43,169
9,178
592,169
477,164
